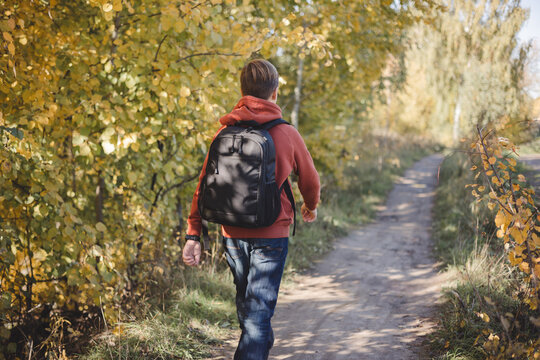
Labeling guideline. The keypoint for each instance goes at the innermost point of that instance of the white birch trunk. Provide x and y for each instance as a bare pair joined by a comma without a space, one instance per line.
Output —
297,92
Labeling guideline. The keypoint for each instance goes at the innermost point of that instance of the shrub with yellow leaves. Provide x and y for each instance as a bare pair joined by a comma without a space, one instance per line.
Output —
517,219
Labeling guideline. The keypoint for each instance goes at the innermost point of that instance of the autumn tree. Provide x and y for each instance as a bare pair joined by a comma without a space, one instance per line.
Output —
465,67
106,111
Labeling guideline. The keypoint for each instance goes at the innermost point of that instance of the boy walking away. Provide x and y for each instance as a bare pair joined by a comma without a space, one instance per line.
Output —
255,254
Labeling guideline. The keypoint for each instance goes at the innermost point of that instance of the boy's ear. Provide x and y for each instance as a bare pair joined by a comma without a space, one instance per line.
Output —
274,94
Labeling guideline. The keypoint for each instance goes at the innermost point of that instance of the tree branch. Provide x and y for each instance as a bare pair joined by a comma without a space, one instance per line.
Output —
210,53
159,47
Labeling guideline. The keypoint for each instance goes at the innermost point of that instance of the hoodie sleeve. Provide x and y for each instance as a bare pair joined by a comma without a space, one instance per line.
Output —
308,177
194,219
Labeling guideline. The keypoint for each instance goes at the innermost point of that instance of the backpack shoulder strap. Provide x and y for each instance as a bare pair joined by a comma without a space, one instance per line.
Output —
267,126
288,191
286,185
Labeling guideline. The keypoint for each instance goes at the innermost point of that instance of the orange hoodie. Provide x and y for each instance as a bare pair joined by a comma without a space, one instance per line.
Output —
291,155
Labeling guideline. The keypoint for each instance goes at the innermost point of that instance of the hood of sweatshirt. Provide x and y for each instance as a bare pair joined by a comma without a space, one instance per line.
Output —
252,108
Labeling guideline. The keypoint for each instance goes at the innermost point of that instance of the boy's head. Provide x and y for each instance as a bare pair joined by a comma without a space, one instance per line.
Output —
259,78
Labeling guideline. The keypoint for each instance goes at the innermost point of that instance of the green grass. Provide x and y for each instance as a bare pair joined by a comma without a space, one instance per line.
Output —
198,311
181,324
480,278
532,147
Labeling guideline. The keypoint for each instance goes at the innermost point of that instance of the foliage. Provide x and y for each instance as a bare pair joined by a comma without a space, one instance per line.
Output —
116,103
517,218
485,313
106,111
463,66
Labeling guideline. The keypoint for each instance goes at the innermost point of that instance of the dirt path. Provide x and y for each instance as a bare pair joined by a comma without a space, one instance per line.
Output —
533,161
371,297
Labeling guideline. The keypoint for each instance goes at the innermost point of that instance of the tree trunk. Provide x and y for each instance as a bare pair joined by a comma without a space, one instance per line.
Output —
457,112
297,92
100,188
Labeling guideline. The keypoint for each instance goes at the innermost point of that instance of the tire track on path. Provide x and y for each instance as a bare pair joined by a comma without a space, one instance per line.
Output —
372,296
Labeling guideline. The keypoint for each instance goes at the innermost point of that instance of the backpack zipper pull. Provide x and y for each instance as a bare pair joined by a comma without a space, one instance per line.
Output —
232,149
241,144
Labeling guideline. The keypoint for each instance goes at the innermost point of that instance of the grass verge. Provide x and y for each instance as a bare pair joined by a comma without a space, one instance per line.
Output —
479,301
181,321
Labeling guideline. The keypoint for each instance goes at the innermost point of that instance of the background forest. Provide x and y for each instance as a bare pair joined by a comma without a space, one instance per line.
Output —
107,109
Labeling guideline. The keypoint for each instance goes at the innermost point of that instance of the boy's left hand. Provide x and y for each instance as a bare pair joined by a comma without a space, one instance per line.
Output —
307,214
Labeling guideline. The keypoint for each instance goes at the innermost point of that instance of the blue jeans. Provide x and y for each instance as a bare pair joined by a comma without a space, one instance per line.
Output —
257,266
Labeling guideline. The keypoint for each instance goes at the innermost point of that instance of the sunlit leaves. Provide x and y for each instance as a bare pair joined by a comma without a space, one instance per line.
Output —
516,218
107,108
517,222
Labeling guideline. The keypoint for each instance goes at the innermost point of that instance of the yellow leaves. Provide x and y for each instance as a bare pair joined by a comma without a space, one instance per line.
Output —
512,161
108,147
521,178
503,141
7,36
519,235
535,240
11,23
492,160
492,344
132,177
108,133
502,219
11,49
101,227
179,25
147,130
513,259
84,149
169,15
185,92
135,146
524,266
117,5
107,7
483,316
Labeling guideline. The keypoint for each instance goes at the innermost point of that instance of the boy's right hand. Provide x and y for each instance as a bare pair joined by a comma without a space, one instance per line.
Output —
192,253
307,214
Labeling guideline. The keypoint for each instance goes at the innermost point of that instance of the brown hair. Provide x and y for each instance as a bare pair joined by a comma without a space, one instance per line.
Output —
259,78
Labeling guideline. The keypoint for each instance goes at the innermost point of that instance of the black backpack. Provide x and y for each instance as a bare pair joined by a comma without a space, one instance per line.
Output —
239,187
